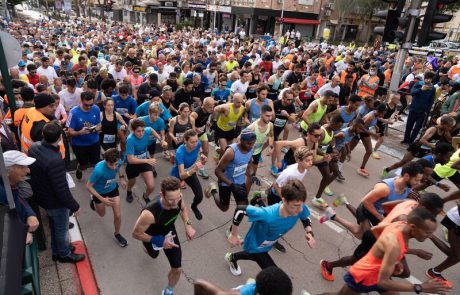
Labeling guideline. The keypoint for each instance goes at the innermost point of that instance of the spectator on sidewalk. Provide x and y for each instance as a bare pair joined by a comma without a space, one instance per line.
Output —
50,187
16,167
422,94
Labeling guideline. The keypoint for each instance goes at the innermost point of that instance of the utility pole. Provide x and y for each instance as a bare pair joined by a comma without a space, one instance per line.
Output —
412,14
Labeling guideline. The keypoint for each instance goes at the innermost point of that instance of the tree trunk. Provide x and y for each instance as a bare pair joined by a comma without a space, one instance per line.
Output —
77,7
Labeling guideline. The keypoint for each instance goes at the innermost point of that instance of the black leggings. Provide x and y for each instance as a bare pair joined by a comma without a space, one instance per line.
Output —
195,184
263,259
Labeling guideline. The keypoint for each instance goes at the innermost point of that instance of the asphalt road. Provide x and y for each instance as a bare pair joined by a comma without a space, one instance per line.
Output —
130,271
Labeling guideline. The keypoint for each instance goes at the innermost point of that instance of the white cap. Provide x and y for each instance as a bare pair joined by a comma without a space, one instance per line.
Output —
17,158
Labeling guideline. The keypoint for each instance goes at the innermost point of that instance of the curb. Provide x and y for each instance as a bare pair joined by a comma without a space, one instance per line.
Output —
86,283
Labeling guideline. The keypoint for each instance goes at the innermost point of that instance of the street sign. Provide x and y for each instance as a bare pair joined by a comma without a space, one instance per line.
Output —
12,49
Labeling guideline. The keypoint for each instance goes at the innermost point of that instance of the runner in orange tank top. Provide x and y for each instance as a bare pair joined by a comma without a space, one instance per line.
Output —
373,272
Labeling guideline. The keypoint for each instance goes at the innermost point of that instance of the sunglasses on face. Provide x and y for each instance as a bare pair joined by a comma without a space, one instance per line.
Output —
316,135
88,105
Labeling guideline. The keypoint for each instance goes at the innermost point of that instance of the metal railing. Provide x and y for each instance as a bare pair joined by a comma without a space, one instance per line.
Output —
31,270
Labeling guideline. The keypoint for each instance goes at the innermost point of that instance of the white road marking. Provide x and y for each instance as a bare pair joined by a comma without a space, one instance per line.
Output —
330,224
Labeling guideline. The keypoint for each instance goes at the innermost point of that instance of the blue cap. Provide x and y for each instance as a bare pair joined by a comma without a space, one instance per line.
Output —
22,63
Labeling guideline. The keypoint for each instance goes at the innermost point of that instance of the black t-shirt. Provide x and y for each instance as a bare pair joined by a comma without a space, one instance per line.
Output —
182,96
293,78
164,219
134,60
280,120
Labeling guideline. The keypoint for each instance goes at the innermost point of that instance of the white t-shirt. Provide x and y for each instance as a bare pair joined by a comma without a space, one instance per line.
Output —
238,87
453,215
60,111
290,173
118,76
69,100
49,72
328,86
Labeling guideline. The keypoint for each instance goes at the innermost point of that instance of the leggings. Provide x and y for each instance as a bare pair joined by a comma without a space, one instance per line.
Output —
195,184
262,259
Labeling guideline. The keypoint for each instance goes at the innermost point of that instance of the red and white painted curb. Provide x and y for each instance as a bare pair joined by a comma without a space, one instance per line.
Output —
86,283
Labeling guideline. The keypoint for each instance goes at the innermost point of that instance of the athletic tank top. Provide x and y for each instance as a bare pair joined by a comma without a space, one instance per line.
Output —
108,130
363,110
320,111
260,137
341,142
366,270
228,123
445,171
374,120
347,118
254,109
289,158
236,170
251,92
179,129
323,145
392,196
164,219
403,208
276,84
201,120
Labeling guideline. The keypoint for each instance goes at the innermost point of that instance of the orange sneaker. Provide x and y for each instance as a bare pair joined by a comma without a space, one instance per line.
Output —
327,275
431,274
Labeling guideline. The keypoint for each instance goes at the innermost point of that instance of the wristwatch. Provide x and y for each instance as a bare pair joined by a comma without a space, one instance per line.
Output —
418,288
188,222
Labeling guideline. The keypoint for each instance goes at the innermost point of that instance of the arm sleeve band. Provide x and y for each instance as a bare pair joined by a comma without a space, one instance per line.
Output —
240,211
306,222
157,241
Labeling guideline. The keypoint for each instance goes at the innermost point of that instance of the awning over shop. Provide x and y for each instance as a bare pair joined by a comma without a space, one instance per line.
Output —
298,21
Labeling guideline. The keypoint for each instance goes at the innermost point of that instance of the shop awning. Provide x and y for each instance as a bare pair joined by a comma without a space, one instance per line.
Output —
298,21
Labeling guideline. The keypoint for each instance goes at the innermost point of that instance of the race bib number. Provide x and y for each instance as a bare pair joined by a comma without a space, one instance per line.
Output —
239,170
180,137
266,244
109,138
232,124
280,122
323,148
122,111
141,156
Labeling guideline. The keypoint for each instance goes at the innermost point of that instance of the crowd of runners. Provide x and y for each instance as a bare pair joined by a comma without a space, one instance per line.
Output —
120,97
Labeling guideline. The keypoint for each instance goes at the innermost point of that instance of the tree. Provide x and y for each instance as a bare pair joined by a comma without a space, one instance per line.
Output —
343,7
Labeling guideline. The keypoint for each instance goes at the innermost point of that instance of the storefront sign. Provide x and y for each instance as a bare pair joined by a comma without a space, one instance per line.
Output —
219,8
138,8
197,6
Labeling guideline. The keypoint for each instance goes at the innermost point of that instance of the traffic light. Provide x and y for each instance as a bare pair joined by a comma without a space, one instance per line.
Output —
430,19
394,21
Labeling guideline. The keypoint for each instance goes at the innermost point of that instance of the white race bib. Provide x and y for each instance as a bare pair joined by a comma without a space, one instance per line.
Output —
180,137
280,122
141,156
239,170
109,182
266,244
109,138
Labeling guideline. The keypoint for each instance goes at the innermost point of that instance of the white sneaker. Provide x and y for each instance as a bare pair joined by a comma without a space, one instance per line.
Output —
234,267
319,202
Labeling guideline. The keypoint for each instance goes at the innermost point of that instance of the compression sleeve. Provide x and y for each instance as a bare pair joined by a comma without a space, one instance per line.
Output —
240,211
306,222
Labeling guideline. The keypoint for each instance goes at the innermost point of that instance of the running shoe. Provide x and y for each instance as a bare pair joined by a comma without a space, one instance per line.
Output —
275,171
167,291
279,247
285,149
327,274
340,176
363,172
234,267
255,198
202,172
255,180
446,234
166,155
340,200
197,212
432,274
121,240
182,184
385,173
129,196
319,202
376,156
146,200
79,174
91,205
329,214
328,191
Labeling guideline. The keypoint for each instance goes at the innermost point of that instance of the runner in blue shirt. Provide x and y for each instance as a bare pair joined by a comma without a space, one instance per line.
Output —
221,94
104,189
143,109
187,163
138,160
268,225
83,124
125,104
